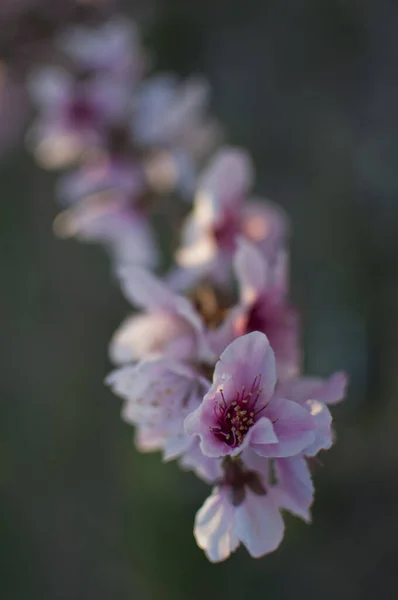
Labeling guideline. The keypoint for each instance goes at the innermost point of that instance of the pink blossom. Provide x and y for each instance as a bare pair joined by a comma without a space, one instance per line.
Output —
74,115
245,507
103,199
294,488
170,121
158,395
168,326
240,410
221,214
263,306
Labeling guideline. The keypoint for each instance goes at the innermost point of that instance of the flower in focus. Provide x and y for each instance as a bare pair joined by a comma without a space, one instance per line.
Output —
170,121
220,215
168,326
245,507
240,410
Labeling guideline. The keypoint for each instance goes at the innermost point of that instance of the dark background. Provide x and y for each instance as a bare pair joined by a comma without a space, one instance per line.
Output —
310,87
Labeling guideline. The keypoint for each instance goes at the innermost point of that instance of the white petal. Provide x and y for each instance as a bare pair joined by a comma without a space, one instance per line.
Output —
252,271
228,178
213,528
262,432
301,389
293,426
259,524
323,428
295,488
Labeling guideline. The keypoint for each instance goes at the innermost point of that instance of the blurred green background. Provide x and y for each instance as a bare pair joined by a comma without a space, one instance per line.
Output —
311,89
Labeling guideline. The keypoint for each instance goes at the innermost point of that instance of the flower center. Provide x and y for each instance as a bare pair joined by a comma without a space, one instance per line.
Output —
236,416
227,230
211,303
81,113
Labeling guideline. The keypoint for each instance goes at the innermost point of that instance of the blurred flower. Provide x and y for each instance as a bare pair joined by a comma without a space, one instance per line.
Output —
101,175
169,325
220,215
263,306
108,218
170,121
73,115
159,394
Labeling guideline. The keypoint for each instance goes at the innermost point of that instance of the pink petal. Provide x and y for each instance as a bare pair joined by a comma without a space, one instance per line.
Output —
176,445
295,488
293,426
228,178
251,269
262,432
145,290
329,391
149,334
246,358
323,427
208,469
210,445
213,528
151,388
258,524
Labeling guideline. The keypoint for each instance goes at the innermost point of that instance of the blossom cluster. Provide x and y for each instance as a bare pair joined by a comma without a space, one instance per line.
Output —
209,366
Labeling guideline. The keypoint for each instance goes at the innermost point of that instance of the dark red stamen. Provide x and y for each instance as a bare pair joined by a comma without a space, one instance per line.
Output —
235,418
